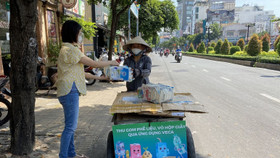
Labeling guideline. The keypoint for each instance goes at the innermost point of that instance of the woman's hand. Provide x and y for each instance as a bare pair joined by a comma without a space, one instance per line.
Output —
114,63
104,78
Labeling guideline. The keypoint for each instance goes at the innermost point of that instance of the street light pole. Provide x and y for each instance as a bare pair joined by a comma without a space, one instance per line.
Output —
249,25
208,33
248,33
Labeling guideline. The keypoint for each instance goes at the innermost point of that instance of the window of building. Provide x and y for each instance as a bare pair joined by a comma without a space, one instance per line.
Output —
196,9
242,33
196,16
230,33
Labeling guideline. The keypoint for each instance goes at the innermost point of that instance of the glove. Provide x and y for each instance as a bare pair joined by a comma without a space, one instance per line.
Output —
136,73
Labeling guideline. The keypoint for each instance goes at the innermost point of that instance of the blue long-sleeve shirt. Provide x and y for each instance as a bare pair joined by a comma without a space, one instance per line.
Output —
143,68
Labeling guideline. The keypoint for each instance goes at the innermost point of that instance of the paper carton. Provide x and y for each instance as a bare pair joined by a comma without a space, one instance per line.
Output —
157,93
119,73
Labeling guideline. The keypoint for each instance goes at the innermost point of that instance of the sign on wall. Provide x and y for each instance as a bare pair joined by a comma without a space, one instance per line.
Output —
69,3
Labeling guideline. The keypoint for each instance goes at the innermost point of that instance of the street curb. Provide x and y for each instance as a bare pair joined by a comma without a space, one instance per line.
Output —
239,62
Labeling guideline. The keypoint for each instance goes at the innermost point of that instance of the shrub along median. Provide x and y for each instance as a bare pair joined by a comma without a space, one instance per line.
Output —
270,60
256,53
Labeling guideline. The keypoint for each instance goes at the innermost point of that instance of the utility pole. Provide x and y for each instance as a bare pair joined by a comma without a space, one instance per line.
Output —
248,32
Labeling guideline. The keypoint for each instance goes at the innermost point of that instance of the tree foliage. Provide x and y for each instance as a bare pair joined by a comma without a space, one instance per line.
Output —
241,43
276,42
216,31
170,16
278,49
117,8
213,44
234,49
88,27
152,19
201,48
266,43
225,49
261,34
218,47
255,46
191,49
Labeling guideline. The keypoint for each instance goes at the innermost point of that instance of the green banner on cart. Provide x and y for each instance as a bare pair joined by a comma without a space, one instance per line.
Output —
151,140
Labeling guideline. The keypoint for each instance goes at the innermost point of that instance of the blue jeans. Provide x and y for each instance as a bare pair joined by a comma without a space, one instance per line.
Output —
70,103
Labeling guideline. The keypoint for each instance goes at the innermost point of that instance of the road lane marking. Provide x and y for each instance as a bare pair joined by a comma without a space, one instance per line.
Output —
225,78
205,70
193,66
270,97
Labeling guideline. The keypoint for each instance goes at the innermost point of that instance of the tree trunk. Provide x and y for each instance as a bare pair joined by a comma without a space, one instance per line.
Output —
24,56
113,29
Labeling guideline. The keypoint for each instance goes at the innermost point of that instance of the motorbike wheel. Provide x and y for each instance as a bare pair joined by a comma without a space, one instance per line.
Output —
5,105
90,81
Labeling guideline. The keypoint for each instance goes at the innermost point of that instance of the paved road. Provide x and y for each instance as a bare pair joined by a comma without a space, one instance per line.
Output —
243,105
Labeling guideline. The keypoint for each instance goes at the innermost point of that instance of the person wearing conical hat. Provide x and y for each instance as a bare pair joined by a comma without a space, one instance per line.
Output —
139,62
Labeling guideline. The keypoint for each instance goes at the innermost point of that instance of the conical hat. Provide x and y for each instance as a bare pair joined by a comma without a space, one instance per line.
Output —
137,40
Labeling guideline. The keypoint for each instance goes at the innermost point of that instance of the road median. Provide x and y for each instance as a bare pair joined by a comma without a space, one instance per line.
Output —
237,61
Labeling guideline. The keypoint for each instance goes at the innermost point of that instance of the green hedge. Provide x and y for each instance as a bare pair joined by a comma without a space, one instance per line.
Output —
210,49
234,49
261,59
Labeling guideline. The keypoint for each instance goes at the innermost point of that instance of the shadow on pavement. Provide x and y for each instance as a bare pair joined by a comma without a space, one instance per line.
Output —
93,126
43,94
90,138
104,85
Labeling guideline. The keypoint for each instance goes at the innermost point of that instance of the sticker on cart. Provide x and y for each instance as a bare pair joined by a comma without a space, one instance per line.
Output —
151,140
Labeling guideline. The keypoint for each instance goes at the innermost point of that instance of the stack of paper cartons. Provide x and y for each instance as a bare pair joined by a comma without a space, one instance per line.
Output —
157,93
119,73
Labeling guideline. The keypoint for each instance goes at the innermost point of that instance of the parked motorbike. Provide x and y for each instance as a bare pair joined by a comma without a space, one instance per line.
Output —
5,105
93,71
178,57
45,82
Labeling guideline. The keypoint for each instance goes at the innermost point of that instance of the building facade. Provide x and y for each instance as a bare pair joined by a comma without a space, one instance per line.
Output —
199,14
233,32
255,15
221,11
185,13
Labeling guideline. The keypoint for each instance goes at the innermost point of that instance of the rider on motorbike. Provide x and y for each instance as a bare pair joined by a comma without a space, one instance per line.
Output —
178,50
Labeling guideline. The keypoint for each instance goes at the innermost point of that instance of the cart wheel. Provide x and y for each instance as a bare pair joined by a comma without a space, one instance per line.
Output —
110,146
190,144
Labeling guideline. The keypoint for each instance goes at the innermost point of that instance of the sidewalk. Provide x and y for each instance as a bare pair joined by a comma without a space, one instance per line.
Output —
93,126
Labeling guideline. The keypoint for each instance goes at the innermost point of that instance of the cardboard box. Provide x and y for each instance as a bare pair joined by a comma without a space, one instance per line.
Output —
130,103
183,102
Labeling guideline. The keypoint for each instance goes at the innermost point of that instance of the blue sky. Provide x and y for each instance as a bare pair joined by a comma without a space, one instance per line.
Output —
268,4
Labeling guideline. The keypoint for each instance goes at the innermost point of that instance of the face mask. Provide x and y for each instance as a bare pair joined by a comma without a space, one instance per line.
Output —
80,39
136,51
